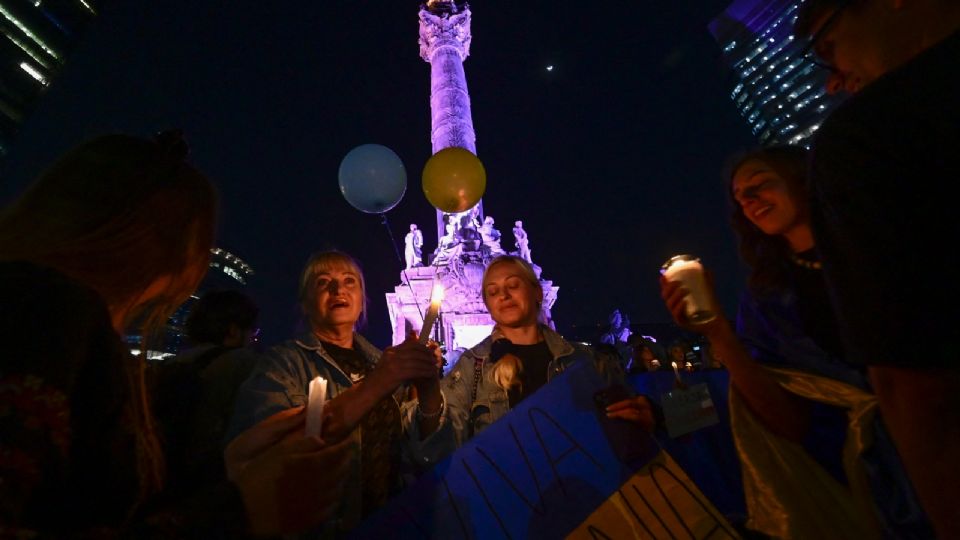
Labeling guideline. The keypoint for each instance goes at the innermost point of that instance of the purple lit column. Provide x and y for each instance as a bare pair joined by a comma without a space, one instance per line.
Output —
445,44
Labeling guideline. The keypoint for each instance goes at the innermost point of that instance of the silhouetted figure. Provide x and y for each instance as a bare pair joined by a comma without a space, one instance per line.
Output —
880,235
114,236
195,391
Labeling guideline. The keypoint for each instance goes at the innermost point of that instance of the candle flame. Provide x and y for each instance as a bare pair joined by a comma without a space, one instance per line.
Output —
674,364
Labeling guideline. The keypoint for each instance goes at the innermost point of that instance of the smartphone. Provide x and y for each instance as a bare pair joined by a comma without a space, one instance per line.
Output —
632,445
610,395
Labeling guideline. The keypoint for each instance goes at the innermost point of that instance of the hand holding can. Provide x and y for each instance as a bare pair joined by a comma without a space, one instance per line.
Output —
689,272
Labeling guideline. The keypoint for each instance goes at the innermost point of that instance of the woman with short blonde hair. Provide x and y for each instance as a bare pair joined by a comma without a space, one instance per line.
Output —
366,387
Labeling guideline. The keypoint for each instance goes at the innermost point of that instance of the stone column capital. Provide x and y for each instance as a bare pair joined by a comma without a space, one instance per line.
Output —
451,31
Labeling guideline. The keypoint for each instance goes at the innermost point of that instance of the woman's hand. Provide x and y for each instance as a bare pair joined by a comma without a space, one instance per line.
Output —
675,298
437,354
288,482
255,441
428,387
408,361
636,409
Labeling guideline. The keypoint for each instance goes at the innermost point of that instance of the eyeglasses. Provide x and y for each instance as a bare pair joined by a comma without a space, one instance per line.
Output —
808,53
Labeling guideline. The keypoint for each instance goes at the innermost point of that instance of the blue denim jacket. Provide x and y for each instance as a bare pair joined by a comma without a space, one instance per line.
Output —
280,381
463,417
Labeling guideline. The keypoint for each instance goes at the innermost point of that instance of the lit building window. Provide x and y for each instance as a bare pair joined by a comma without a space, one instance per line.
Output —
23,28
34,73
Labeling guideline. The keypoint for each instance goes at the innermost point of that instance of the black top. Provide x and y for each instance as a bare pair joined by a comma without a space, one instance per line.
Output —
67,441
813,304
351,361
381,435
884,168
535,358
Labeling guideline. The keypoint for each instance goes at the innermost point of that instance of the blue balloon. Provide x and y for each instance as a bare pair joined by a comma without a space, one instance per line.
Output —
372,178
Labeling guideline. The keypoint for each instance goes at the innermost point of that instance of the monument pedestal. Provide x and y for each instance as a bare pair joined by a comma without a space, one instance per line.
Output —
464,320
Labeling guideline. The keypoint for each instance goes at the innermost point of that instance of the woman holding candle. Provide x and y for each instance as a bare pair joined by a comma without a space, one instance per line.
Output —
794,401
519,357
114,236
364,385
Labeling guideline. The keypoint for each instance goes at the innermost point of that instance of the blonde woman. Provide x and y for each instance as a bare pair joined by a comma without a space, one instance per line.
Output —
365,385
517,359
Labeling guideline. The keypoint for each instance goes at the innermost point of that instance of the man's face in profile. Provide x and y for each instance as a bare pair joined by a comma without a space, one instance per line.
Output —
858,41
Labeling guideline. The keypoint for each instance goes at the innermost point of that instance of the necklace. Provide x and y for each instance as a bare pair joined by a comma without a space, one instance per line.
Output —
809,265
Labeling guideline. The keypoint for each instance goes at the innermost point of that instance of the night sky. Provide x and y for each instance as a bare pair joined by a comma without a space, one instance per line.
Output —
612,159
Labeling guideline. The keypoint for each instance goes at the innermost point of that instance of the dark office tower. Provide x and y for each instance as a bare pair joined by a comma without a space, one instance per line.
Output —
778,91
37,37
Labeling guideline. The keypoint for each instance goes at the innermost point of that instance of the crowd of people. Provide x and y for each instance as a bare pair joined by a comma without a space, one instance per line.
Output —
844,429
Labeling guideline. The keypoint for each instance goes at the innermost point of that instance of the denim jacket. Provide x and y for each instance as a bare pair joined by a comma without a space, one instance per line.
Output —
280,381
462,417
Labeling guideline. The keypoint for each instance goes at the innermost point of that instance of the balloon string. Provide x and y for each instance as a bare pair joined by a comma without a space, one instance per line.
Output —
403,264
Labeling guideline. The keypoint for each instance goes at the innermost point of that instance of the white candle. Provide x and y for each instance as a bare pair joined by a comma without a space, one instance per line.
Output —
316,396
676,370
436,298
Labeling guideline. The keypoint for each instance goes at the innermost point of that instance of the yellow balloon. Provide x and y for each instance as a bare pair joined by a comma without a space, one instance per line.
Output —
454,180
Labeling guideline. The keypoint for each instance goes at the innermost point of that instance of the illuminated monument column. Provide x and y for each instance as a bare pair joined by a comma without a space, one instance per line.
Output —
468,240
445,44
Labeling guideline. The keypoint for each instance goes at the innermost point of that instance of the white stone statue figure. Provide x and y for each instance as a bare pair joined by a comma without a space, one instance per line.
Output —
616,325
490,236
625,332
474,218
413,247
448,246
463,220
523,243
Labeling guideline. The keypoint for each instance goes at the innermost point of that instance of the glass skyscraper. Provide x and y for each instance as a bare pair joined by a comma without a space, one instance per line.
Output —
37,36
778,92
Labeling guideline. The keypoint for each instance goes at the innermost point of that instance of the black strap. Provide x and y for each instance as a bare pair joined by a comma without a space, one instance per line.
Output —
477,375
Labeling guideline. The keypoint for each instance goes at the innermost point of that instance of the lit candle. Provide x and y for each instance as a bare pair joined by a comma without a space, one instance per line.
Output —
316,396
436,298
676,370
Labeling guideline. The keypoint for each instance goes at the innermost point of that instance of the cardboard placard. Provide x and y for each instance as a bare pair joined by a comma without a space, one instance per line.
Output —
658,502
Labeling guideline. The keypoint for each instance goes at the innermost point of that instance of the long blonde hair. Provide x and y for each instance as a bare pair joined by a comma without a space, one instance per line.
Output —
116,213
508,373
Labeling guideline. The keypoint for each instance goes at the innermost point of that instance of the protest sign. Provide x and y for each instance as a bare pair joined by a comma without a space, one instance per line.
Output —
548,470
